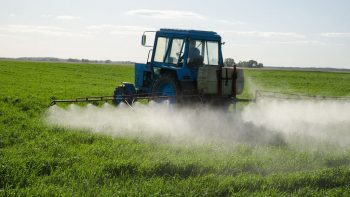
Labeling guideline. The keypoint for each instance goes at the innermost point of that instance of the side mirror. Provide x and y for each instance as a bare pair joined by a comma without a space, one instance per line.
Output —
143,40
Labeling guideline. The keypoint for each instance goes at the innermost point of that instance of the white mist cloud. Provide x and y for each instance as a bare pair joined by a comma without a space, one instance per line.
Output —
164,14
153,120
264,122
318,120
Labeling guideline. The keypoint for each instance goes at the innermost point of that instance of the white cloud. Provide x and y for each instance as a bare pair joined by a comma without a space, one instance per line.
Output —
227,22
118,29
164,14
264,34
296,42
280,34
46,15
39,30
340,44
336,35
67,17
10,36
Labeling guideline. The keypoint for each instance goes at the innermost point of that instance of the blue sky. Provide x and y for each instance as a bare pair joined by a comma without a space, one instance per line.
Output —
274,32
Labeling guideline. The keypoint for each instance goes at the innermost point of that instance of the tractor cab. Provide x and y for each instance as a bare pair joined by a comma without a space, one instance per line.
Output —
178,54
186,49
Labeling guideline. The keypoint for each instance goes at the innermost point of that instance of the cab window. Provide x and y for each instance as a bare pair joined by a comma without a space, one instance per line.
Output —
161,49
175,51
203,53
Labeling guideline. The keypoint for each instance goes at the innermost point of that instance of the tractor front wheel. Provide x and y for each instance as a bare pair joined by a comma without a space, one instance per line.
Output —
122,95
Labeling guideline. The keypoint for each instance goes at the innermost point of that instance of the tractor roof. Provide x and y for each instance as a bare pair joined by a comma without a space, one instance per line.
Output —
189,33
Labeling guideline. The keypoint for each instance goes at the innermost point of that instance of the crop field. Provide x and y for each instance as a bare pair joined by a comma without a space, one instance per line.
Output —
43,160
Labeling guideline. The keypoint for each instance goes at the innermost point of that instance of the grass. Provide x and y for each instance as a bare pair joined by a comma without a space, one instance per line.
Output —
50,161
302,82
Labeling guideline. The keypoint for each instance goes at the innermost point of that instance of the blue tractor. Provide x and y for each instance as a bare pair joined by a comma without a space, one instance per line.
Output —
183,66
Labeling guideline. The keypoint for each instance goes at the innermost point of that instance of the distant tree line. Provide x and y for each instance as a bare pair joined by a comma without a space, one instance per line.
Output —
54,59
89,61
248,64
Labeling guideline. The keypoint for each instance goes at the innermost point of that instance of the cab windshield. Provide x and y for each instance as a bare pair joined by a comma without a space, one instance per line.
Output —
169,51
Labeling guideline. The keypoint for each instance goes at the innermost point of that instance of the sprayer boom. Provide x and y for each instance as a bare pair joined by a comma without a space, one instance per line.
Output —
129,99
86,99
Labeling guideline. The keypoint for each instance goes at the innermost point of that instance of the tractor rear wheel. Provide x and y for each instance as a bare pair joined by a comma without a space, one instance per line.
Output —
166,88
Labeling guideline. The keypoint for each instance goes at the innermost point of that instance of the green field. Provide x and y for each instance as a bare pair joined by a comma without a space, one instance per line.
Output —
39,160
